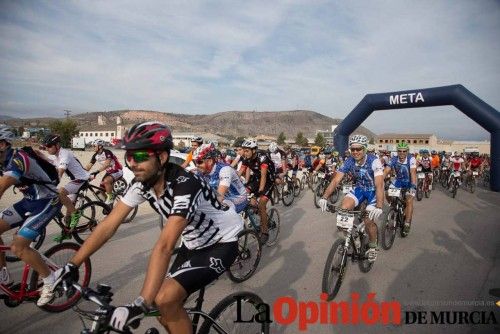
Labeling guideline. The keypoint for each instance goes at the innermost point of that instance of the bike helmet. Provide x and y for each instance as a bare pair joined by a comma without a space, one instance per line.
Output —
403,146
335,153
98,142
359,139
273,147
51,139
249,143
205,151
425,151
148,135
6,134
197,139
433,152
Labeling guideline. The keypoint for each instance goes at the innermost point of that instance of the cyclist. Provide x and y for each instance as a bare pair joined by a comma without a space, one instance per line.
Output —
368,173
41,200
109,163
292,161
426,163
435,161
279,158
475,164
66,162
207,228
261,181
221,177
456,164
405,168
196,141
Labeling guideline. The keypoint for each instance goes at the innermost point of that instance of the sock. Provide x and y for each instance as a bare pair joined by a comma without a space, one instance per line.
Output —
109,196
49,279
372,244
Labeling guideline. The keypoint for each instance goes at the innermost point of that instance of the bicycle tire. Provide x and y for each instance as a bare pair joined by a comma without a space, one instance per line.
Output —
80,202
249,252
364,265
472,185
296,187
273,223
318,192
420,192
61,302
303,181
287,195
390,229
36,244
333,274
454,190
249,301
89,221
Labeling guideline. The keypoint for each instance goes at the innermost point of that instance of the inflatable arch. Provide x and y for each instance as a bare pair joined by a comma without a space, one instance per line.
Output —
456,95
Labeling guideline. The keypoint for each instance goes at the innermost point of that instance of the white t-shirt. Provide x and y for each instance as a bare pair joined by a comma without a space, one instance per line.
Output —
66,160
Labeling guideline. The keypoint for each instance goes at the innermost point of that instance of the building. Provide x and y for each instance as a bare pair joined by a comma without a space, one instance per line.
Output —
103,132
327,134
417,141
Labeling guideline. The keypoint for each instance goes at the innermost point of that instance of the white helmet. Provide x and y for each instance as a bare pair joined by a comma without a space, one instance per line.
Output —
359,139
98,142
249,143
6,133
273,147
197,139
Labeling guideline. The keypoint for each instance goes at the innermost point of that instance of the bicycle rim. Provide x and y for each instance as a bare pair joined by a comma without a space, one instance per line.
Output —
287,194
91,214
273,224
249,253
389,233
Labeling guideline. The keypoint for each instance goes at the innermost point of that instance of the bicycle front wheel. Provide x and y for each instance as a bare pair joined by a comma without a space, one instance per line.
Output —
249,252
288,193
389,229
335,268
57,257
273,223
91,214
245,304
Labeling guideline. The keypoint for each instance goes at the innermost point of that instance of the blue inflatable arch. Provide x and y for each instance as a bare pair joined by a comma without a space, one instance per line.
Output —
456,95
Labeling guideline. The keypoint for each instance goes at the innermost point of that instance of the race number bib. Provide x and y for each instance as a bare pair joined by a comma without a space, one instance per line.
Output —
421,175
394,192
475,173
321,175
346,189
345,220
456,174
419,169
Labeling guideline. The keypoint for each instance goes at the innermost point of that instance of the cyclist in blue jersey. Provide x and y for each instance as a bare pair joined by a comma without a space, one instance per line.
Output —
221,177
369,176
40,199
405,168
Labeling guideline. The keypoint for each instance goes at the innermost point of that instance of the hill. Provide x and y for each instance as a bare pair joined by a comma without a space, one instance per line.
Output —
229,123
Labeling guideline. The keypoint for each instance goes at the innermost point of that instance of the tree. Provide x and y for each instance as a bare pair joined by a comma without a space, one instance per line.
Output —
20,130
67,129
320,140
301,140
281,139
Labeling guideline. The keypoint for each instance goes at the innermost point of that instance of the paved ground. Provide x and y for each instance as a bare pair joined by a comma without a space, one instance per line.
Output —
451,257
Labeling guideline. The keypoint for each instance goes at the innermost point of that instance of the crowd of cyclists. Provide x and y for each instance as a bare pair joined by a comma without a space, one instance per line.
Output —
201,207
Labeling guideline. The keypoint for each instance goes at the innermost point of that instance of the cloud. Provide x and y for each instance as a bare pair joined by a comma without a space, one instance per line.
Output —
198,57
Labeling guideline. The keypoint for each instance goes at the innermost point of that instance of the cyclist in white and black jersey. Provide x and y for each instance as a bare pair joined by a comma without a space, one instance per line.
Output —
66,162
40,200
208,229
279,159
109,163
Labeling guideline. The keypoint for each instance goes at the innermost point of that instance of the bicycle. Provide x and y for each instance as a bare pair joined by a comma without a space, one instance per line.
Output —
323,182
221,319
470,181
283,191
454,183
252,220
248,258
444,176
353,244
27,290
395,217
420,183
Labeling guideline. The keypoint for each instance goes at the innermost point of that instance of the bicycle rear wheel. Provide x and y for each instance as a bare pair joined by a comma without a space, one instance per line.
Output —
288,193
91,214
318,192
246,304
389,229
57,257
249,253
335,268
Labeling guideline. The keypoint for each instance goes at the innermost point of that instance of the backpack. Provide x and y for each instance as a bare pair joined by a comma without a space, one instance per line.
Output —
47,167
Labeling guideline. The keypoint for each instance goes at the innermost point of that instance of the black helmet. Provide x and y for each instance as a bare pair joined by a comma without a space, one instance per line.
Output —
148,135
51,139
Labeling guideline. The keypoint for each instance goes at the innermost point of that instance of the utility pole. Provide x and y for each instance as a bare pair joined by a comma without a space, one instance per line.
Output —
67,112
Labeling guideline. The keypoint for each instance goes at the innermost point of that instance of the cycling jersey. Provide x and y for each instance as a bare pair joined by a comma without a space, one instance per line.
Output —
456,163
66,160
402,169
277,157
22,165
261,160
435,161
475,162
190,196
364,175
331,164
425,163
292,159
223,174
115,165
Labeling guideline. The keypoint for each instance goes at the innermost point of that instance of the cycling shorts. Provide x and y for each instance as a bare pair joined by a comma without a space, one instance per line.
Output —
41,213
116,175
253,187
238,207
359,195
73,186
403,185
194,269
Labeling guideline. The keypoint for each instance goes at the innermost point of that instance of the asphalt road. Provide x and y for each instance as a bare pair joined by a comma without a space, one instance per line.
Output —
449,261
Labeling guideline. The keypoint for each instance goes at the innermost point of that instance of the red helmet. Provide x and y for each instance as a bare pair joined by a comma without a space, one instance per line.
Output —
148,135
205,151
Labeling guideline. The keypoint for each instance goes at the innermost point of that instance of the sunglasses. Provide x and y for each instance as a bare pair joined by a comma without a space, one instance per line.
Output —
199,162
357,149
138,156
402,151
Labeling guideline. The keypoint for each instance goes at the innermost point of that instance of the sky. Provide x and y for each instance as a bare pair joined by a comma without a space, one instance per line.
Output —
203,57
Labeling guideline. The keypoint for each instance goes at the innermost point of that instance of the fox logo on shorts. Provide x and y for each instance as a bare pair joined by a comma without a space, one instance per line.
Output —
216,264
